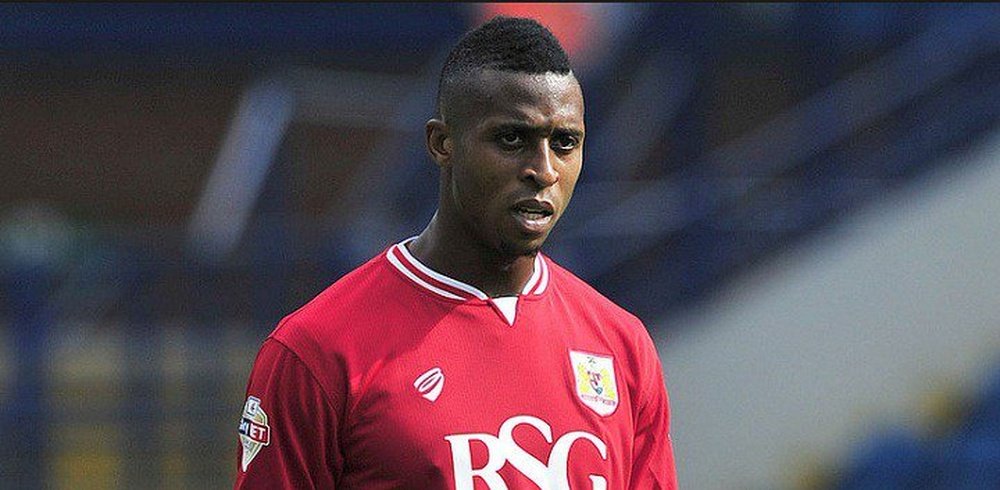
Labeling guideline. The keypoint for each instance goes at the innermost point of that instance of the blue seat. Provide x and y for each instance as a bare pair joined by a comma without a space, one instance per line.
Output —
887,460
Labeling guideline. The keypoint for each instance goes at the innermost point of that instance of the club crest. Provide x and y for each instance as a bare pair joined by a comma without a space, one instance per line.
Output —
254,431
595,381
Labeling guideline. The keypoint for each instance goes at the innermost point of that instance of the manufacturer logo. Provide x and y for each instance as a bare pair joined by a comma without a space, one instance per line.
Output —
595,381
430,384
502,449
254,431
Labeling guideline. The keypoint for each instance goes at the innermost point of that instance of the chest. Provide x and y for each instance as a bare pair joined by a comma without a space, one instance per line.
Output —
475,403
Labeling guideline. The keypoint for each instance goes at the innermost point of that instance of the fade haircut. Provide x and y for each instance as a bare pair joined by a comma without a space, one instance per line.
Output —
510,44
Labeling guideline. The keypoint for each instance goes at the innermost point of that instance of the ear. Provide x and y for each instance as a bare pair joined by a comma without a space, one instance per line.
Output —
440,144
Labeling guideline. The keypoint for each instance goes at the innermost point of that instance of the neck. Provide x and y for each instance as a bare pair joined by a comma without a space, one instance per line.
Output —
462,257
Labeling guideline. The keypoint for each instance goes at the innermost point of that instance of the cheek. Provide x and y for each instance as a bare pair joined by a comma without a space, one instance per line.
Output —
482,174
474,187
568,179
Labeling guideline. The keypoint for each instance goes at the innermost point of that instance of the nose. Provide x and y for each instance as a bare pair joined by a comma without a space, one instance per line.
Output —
540,168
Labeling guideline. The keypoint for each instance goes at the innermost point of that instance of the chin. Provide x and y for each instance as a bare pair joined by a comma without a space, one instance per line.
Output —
520,248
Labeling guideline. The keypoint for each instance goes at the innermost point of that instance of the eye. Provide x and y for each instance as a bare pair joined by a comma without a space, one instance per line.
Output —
510,140
564,143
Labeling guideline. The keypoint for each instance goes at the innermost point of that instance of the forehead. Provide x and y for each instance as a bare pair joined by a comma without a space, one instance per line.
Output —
538,99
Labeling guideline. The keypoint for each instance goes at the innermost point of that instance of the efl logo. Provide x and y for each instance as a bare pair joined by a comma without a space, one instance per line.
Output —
548,475
258,433
254,431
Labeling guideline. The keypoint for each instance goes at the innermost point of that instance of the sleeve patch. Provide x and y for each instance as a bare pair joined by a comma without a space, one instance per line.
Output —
254,431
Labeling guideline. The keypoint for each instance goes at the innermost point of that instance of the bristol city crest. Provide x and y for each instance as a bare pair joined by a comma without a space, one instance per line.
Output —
254,431
595,381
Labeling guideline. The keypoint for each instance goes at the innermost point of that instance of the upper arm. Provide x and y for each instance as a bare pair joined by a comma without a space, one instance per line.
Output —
653,456
288,428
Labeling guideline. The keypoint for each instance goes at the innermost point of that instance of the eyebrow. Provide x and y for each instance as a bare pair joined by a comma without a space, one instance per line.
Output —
530,128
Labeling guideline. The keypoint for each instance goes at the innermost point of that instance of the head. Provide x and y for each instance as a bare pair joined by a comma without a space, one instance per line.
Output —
508,136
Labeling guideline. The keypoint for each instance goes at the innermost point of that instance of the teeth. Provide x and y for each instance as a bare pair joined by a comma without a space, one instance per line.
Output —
534,213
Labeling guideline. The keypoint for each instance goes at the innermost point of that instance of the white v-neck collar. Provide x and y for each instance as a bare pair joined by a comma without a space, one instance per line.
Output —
508,306
425,277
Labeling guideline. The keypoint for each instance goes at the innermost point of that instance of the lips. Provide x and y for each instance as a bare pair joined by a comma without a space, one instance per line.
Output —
533,215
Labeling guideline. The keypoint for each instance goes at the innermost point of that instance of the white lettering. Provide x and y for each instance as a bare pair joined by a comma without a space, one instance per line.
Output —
461,459
560,458
534,469
550,475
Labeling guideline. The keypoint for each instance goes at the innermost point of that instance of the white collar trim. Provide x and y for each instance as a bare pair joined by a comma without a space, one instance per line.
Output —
401,258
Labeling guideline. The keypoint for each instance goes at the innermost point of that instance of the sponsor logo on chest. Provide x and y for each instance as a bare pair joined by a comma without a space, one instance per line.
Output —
502,449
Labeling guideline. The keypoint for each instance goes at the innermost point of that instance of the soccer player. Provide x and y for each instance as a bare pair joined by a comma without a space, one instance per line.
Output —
463,357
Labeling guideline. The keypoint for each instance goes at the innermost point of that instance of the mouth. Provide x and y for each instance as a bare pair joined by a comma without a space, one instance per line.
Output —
533,215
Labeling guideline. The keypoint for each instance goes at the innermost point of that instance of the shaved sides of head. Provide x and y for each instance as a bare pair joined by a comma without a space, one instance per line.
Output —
508,44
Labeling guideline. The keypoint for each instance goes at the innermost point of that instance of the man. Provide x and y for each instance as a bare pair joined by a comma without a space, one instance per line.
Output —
463,358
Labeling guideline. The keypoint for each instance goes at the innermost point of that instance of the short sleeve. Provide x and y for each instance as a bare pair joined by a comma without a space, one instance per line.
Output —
288,428
652,455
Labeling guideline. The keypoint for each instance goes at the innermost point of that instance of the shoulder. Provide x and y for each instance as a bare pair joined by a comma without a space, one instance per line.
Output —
617,323
573,289
343,314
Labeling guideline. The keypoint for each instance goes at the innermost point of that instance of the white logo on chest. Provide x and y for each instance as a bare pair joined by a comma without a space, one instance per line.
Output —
502,449
430,384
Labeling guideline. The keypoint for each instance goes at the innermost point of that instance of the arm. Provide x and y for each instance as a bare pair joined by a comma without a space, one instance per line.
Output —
288,427
652,455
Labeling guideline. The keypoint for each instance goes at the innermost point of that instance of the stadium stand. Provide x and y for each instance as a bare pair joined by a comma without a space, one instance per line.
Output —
966,456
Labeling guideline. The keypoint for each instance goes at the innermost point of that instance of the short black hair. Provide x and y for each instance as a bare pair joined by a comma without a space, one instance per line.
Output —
512,44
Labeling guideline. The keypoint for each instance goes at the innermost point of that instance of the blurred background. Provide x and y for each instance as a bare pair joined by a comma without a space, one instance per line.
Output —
801,201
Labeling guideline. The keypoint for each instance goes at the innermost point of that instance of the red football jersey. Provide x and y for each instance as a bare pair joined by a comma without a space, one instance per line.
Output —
400,377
